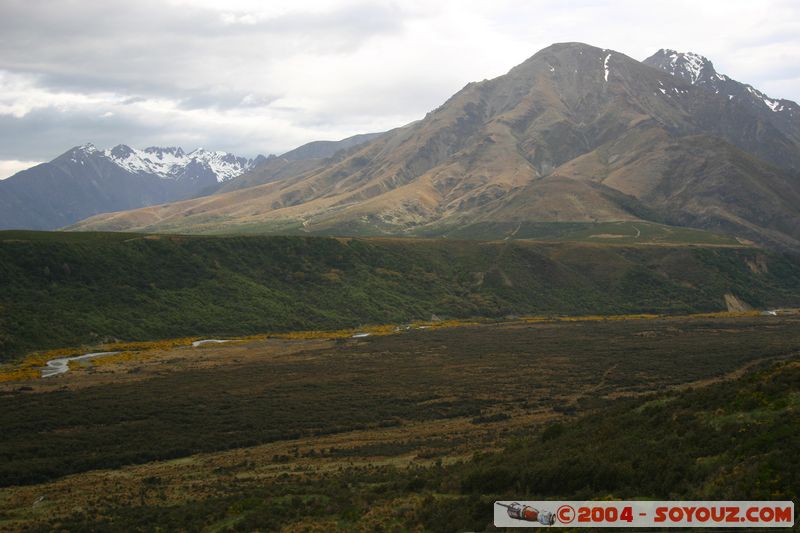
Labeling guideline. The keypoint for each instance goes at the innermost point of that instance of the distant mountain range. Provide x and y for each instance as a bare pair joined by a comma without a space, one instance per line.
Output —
85,180
574,135
173,163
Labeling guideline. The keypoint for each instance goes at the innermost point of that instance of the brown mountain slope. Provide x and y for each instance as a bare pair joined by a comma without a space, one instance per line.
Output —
575,133
695,181
306,158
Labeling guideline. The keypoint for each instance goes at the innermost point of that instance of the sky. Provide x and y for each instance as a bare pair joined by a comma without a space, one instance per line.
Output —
260,77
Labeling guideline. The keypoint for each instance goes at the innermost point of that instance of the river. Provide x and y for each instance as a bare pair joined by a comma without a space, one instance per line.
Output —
58,366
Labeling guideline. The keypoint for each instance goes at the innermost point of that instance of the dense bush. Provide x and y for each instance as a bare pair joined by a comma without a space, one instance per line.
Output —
63,289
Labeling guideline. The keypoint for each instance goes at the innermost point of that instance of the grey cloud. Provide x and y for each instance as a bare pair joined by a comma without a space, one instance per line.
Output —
134,100
223,78
157,50
228,100
45,133
145,50
766,38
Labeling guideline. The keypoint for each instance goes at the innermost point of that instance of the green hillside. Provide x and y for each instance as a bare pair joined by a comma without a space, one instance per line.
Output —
65,289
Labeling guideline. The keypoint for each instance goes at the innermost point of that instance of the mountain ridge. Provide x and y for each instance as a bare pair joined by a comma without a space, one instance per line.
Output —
699,70
91,180
576,133
175,163
85,180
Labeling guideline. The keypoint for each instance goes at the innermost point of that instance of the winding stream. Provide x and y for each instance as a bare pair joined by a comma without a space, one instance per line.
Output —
195,344
58,366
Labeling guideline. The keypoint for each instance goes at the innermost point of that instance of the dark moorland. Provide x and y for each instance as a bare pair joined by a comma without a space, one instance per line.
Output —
584,409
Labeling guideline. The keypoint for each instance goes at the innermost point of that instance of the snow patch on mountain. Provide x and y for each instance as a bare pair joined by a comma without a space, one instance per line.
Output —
173,163
693,64
698,70
774,105
88,148
688,66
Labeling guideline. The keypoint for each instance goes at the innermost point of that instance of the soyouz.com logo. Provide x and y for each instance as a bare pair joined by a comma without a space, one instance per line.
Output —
639,513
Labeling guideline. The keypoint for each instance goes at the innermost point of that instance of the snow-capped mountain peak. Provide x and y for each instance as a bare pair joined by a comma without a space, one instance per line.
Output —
87,148
698,70
688,66
174,163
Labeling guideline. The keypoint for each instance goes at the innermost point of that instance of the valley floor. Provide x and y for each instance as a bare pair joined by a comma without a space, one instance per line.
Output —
334,433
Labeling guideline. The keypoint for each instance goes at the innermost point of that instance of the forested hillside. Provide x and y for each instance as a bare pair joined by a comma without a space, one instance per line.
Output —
61,289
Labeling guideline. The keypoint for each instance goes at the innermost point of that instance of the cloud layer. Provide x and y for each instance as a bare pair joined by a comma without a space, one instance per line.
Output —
263,77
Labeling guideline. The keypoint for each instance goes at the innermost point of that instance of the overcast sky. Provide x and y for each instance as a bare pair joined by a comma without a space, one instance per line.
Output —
255,77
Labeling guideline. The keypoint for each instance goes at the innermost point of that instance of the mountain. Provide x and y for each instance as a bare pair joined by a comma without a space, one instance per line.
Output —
575,134
85,181
325,149
698,70
294,162
173,163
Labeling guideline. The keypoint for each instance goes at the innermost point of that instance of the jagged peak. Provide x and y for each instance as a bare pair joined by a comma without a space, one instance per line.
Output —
698,70
159,151
120,151
87,147
688,66
166,162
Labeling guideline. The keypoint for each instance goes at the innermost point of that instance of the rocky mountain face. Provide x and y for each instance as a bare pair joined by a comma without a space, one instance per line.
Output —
698,70
574,134
85,181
